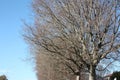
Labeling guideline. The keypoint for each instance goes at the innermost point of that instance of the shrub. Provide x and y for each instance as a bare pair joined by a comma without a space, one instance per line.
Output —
115,75
3,77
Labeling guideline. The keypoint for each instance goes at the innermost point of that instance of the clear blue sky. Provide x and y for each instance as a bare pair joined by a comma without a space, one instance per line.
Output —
13,50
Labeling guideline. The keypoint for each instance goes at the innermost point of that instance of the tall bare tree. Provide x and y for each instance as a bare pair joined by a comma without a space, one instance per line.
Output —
80,33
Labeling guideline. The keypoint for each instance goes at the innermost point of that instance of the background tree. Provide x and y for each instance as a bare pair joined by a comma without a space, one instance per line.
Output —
48,69
80,34
3,77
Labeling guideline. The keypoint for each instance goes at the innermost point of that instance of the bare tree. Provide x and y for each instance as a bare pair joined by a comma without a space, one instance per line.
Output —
49,68
80,33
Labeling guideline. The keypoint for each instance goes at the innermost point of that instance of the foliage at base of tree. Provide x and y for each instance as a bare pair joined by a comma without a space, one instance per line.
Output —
115,75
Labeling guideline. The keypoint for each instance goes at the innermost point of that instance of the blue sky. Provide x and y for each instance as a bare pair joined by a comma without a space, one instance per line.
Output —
13,50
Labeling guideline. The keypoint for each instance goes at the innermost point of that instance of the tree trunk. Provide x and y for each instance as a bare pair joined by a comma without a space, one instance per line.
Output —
92,73
79,74
77,77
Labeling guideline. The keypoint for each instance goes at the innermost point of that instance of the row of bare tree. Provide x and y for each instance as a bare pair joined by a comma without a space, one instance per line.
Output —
72,37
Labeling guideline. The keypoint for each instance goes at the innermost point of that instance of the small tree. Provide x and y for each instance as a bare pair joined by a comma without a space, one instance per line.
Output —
3,77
